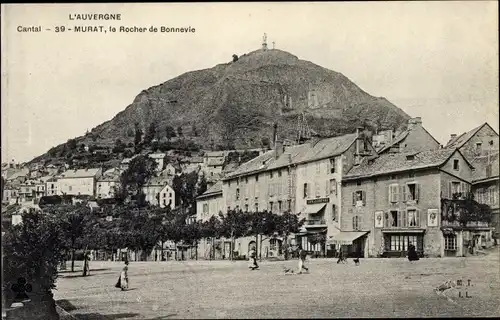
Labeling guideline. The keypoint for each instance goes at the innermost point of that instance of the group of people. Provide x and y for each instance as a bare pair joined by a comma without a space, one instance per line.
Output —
302,259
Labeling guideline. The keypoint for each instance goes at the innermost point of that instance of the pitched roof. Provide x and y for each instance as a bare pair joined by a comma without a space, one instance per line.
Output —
216,188
396,140
211,154
397,162
215,161
157,181
296,154
460,140
80,173
18,174
157,155
481,165
196,160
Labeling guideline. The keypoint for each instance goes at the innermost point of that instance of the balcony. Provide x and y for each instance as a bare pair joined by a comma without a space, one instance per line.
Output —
470,224
315,223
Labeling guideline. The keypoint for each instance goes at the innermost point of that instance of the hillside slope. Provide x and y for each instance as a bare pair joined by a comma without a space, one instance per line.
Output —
236,103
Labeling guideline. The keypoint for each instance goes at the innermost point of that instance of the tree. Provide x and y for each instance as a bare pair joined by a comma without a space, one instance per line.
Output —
150,133
169,133
194,130
202,185
179,131
235,224
32,250
235,58
137,135
72,145
74,221
212,229
130,133
288,223
119,146
139,171
186,188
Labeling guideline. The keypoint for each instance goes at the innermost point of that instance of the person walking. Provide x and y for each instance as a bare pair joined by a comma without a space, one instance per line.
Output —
302,260
412,253
123,279
86,264
253,259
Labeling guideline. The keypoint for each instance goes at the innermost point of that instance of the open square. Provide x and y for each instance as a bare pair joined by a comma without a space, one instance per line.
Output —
224,289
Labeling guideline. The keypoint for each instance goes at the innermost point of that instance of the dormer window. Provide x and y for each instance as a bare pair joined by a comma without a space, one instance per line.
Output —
410,157
456,164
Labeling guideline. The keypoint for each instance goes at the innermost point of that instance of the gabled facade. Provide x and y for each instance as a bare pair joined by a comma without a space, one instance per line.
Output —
79,182
159,193
414,138
107,185
478,142
397,199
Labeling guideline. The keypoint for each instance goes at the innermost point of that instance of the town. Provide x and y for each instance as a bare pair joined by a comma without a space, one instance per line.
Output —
366,194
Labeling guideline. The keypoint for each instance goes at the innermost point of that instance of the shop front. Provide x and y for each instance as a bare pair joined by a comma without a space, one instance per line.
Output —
351,243
396,243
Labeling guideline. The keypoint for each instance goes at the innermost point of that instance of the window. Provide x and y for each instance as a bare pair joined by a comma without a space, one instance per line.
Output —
305,190
164,202
246,179
455,164
334,213
356,223
413,217
358,198
170,194
478,147
358,183
392,219
164,195
332,165
333,186
288,170
70,188
411,174
413,192
256,207
318,168
394,193
401,242
450,242
256,178
316,189
271,174
289,204
279,173
455,188
246,207
237,193
271,206
279,206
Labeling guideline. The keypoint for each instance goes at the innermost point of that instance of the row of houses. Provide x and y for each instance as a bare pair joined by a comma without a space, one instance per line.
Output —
371,197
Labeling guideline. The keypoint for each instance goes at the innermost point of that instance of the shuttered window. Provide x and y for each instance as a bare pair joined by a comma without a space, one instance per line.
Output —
394,193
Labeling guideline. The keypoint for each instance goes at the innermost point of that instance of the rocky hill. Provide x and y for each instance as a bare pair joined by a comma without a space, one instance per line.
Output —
236,103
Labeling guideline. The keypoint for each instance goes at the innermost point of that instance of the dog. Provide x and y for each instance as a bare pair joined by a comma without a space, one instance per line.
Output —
356,261
288,271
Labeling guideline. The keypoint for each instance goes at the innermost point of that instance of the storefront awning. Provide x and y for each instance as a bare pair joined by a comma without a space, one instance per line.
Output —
346,237
314,208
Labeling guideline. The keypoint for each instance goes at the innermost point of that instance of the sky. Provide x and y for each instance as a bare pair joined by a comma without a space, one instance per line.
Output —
436,60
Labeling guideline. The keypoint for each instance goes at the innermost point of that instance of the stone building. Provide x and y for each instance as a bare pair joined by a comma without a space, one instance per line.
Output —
478,142
396,199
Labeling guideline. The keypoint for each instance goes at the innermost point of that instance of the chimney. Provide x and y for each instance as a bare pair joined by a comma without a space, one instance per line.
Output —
275,134
358,141
278,148
453,136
